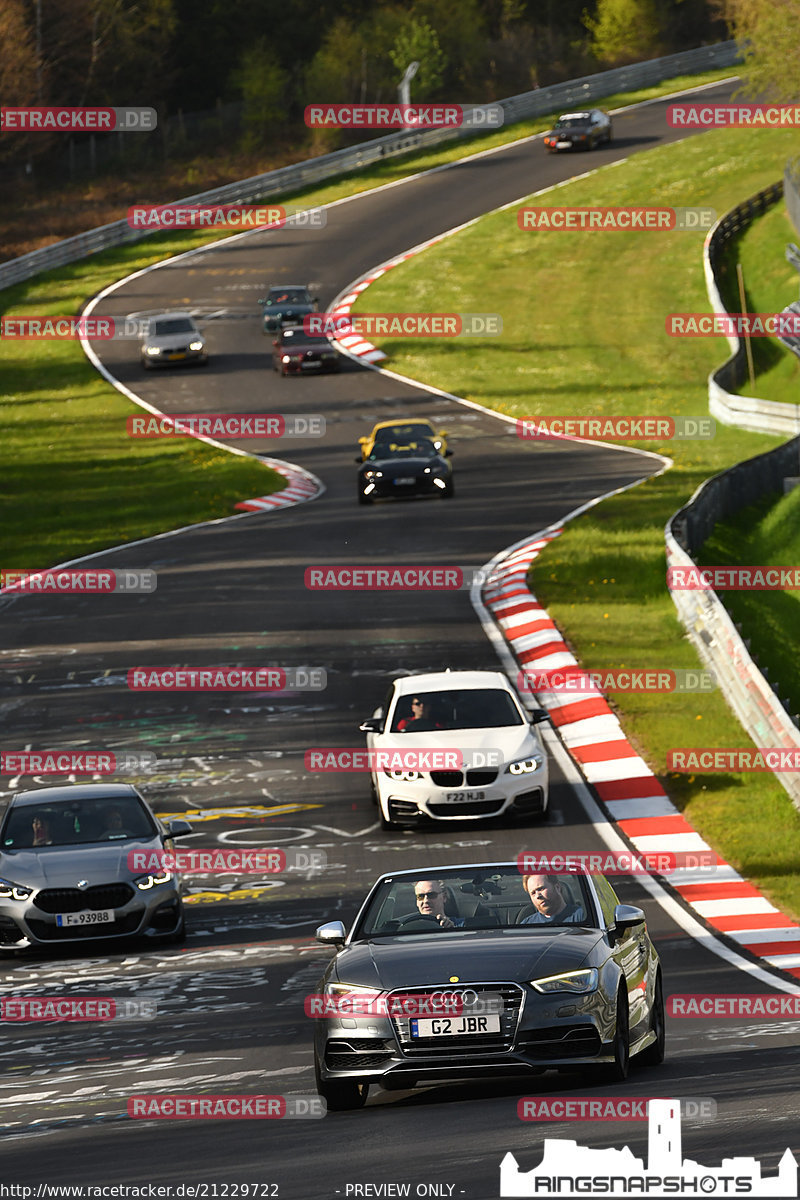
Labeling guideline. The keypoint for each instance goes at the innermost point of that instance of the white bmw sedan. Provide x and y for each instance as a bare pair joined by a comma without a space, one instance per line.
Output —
453,745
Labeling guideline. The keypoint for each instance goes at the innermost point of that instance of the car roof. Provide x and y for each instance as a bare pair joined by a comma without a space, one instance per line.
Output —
402,421
577,115
168,316
289,287
75,791
450,680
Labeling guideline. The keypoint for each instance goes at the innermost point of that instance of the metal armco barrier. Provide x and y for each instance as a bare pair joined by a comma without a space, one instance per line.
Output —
326,166
745,412
707,621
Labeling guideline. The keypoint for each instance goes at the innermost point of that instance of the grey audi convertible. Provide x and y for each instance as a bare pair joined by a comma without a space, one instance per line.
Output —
483,971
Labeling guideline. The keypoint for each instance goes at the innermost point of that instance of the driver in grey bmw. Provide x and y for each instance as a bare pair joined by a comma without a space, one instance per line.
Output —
430,897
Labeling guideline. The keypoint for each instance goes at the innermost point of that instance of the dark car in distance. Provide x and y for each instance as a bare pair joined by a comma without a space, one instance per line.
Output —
410,1001
579,131
415,468
295,352
286,305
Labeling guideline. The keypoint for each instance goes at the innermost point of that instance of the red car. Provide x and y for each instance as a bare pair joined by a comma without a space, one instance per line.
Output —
295,352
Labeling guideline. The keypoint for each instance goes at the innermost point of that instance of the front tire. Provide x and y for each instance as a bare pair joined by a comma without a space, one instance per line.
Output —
342,1095
654,1053
617,1071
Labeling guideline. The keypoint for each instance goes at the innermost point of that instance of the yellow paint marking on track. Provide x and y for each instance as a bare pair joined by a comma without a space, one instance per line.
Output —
250,812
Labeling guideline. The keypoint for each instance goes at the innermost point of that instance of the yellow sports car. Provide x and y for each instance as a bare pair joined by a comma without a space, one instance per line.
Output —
403,432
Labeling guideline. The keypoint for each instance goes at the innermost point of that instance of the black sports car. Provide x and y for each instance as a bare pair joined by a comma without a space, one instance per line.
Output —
481,971
286,305
579,131
412,469
295,352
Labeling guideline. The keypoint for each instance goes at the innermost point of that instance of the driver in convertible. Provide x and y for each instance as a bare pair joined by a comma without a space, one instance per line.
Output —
430,895
552,906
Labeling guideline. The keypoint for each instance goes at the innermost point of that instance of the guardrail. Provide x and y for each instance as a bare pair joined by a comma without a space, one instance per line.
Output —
539,102
745,412
705,618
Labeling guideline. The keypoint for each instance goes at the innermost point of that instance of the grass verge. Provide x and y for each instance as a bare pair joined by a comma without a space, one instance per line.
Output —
586,335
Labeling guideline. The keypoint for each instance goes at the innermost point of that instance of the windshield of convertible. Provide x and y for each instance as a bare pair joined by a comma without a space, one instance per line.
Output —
467,708
476,898
75,822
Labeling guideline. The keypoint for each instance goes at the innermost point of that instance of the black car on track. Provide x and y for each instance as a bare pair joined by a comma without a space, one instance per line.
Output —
579,131
414,468
450,974
286,305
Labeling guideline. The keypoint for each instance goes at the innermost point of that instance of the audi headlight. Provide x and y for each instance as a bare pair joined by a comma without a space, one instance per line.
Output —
403,776
576,982
145,882
13,891
525,766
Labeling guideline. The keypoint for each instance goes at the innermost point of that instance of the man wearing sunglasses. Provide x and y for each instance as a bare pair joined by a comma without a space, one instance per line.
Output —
421,719
430,896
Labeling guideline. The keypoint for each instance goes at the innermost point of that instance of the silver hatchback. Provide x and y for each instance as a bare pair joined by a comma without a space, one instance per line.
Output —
68,874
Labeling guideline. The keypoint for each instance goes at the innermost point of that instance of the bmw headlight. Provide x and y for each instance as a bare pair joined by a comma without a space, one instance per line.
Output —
576,982
152,351
196,345
13,891
525,766
403,776
145,882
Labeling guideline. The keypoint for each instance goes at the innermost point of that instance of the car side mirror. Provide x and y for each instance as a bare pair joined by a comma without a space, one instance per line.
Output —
372,725
626,916
176,828
448,453
262,300
360,459
331,934
538,715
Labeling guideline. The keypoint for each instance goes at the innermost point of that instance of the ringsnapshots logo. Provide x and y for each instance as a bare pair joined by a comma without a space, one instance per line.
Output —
227,679
615,429
733,579
185,1107
579,681
29,1009
41,119
726,760
616,862
62,582
212,860
404,325
226,216
232,425
75,762
403,116
621,1108
733,116
627,219
774,324
395,578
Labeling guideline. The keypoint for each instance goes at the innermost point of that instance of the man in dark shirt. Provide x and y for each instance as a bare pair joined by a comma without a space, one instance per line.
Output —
552,906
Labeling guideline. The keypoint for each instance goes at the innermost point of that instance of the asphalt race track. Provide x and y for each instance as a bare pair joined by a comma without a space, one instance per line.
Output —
230,1015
